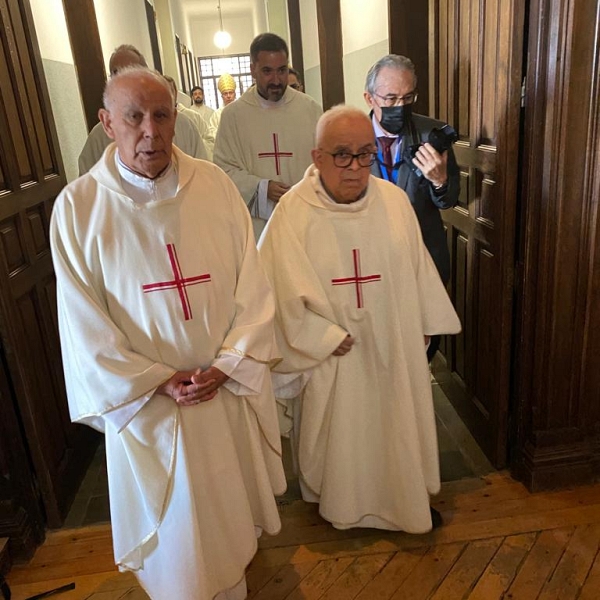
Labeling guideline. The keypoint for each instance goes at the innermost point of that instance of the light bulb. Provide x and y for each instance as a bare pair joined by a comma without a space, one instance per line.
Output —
222,40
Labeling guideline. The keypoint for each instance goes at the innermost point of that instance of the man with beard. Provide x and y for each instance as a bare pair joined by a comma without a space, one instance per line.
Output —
166,327
265,138
198,104
431,179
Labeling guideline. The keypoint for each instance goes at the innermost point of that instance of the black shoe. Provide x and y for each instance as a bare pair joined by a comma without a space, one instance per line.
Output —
436,518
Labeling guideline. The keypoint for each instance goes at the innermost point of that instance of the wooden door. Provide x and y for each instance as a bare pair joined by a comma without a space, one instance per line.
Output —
476,57
31,175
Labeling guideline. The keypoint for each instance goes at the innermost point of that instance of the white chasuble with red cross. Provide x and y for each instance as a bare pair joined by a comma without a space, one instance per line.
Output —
145,290
367,439
254,142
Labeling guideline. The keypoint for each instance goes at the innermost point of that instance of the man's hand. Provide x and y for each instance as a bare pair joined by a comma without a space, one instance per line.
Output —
276,190
344,347
212,377
432,164
427,339
188,388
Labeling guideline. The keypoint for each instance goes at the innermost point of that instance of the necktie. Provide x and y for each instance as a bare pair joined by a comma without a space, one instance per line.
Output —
386,150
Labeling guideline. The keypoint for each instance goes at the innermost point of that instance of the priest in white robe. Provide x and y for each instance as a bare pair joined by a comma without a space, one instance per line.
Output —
265,138
195,118
357,295
198,104
165,318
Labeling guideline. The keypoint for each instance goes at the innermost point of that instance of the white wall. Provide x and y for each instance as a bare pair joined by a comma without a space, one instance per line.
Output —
123,22
237,25
310,49
63,88
366,40
278,18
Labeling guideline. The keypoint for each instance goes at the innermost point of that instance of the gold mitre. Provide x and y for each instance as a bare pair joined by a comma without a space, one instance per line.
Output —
226,83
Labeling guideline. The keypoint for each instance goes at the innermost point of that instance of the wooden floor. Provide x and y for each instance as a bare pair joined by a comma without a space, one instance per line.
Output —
498,541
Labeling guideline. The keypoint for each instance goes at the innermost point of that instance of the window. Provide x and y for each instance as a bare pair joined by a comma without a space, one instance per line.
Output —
212,67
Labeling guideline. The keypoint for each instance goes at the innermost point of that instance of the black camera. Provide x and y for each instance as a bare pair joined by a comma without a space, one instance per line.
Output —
441,138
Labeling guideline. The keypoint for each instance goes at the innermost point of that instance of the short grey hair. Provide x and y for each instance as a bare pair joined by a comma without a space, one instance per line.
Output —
129,48
127,72
337,112
390,61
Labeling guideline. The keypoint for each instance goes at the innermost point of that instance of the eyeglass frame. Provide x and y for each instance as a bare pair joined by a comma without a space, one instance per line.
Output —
354,157
396,100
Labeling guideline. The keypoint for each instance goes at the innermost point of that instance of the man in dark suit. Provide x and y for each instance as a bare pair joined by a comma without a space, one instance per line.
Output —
431,179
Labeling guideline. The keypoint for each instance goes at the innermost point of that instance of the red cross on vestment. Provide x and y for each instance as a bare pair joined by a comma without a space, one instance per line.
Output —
276,154
179,282
357,280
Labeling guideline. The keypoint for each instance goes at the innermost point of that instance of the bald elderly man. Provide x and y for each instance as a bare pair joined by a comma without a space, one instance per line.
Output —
357,296
187,138
166,325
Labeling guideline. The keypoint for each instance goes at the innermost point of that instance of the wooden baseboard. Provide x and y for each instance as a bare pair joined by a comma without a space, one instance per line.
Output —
554,468
5,562
24,537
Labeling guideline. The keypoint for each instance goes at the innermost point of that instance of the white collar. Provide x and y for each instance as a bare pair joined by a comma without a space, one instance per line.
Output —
143,189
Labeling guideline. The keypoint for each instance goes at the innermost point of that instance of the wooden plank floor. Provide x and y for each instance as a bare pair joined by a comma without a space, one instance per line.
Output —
498,541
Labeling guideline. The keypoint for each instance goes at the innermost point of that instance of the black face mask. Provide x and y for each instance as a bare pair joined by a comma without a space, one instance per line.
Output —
393,118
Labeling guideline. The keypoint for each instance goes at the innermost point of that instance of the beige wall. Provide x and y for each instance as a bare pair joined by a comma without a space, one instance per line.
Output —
365,35
123,22
63,88
365,39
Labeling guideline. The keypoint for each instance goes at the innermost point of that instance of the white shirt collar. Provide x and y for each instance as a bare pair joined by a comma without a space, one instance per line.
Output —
142,189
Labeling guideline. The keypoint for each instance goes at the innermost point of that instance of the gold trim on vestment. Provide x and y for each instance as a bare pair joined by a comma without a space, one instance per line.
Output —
272,362
166,496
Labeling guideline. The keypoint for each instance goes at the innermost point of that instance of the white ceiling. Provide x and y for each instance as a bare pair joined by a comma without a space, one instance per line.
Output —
203,8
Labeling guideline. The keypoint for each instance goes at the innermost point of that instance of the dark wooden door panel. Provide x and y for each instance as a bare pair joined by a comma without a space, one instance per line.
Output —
33,175
476,58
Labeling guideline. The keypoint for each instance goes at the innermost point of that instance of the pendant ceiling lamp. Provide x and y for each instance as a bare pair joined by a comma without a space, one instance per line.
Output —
222,39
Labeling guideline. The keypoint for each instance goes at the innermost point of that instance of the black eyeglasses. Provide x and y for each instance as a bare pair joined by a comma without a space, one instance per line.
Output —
296,86
345,159
398,100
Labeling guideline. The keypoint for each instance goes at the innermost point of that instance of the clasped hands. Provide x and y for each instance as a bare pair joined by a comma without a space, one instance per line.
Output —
188,388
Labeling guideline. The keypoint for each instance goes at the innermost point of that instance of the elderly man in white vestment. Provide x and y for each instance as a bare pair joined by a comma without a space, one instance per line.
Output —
265,138
357,296
187,137
166,323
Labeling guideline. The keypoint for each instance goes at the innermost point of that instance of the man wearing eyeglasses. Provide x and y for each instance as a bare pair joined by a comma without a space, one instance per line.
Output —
356,294
431,179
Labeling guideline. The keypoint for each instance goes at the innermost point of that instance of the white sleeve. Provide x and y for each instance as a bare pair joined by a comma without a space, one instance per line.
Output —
265,207
246,376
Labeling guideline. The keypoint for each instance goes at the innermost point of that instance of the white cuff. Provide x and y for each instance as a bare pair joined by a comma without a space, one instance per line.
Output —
289,385
246,376
120,417
265,206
